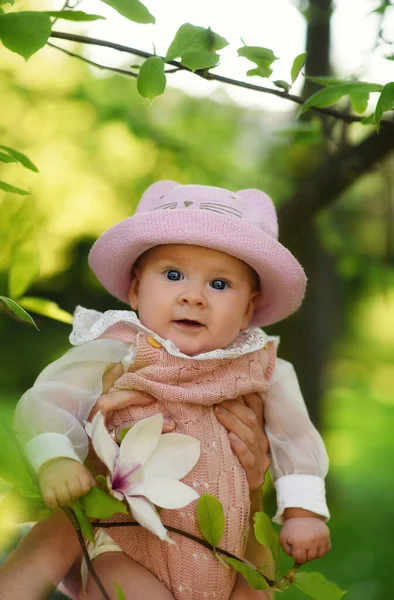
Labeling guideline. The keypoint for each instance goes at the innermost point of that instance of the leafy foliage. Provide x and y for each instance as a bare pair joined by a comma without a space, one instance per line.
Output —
18,310
253,577
196,47
210,519
317,586
133,10
263,57
151,80
267,536
25,32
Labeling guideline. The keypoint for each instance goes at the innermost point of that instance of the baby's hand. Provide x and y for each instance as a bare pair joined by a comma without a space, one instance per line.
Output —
63,480
305,538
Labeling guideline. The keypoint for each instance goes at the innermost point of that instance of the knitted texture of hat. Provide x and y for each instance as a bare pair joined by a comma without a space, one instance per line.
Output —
242,224
187,390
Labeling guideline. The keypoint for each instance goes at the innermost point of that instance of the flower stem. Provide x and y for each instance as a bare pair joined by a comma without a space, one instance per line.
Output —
71,515
270,582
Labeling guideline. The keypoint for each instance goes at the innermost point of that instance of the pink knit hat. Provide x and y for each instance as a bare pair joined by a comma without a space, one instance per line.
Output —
243,224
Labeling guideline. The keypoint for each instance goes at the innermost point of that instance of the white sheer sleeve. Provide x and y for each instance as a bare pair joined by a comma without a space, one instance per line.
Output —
49,417
299,459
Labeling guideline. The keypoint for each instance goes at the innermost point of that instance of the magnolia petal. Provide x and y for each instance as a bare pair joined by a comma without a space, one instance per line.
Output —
140,441
174,456
148,517
88,428
104,446
164,492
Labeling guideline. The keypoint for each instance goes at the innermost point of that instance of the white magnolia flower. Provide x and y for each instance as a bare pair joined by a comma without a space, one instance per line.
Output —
145,469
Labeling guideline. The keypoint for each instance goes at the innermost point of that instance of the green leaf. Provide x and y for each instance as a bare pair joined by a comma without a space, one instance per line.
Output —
25,32
370,120
18,310
84,523
332,94
317,586
359,101
263,57
73,15
200,59
253,577
7,187
6,158
45,307
119,592
325,80
210,519
133,10
266,535
151,81
21,158
385,102
196,47
280,83
25,267
298,63
24,509
98,504
14,466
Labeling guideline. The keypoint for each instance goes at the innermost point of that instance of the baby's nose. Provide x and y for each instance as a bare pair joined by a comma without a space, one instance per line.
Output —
192,297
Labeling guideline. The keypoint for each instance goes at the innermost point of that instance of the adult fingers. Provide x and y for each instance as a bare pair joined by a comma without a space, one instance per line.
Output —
255,402
117,399
111,376
242,452
238,419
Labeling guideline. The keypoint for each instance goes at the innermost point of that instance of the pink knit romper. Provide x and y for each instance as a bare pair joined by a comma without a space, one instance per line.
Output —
187,389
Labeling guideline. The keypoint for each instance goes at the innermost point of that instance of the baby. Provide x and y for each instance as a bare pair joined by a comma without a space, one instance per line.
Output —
200,265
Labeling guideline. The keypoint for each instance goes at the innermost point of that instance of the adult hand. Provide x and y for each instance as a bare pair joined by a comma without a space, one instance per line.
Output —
243,418
112,399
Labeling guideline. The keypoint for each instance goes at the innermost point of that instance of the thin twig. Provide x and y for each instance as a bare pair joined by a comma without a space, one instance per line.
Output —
91,62
270,582
71,515
205,74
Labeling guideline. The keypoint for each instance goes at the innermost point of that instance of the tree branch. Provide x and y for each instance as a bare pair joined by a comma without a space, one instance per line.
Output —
331,179
91,62
204,74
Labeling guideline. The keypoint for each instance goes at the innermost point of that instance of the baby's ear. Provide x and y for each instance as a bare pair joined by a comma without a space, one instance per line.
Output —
250,310
134,288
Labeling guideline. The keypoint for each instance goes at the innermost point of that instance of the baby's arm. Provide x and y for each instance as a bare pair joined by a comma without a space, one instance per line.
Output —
49,417
299,464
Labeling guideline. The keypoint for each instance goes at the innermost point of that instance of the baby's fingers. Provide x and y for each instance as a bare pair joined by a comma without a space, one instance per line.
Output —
299,554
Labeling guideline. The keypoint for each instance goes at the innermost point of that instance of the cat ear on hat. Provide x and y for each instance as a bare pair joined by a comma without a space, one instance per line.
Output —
154,193
260,209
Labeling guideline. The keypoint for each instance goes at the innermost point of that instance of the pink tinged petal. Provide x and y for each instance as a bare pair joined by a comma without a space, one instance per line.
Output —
174,456
148,517
164,492
139,442
104,446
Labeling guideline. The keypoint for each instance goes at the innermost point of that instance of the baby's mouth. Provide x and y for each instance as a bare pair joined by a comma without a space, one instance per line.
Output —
188,323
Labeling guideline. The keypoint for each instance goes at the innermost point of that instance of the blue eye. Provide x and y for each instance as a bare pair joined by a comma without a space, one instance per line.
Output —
173,275
219,284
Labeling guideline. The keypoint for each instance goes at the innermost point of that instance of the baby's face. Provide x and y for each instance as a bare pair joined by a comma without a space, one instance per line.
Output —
198,298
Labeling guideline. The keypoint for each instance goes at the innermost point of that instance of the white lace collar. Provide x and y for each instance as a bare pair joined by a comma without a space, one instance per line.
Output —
88,325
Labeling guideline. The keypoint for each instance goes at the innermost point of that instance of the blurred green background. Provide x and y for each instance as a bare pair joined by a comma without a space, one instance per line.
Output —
98,145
